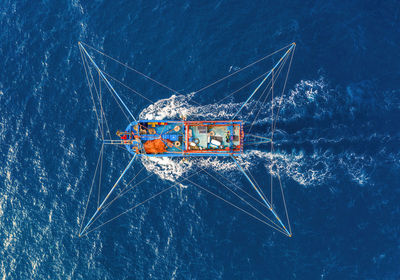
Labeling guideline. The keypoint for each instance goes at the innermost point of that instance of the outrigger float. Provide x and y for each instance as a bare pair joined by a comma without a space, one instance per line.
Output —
185,138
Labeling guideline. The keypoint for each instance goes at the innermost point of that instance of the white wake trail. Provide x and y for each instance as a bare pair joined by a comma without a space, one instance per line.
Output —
317,167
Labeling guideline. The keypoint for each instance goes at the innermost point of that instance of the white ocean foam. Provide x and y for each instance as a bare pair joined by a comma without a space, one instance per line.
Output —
303,169
306,91
356,167
8,241
166,168
315,168
178,106
76,4
3,271
293,105
2,202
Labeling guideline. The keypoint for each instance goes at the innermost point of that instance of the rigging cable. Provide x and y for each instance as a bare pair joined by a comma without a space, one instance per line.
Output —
240,197
91,93
137,205
91,188
239,208
133,69
240,70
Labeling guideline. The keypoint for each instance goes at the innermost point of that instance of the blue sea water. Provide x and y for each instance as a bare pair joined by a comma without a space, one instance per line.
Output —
338,149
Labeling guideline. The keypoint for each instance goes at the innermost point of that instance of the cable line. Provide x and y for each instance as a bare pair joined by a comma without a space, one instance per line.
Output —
130,68
240,70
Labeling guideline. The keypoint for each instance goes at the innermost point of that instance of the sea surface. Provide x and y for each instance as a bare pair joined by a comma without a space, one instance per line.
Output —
337,150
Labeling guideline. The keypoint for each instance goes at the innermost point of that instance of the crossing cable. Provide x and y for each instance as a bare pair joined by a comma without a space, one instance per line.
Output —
126,116
262,94
240,197
272,133
112,201
97,93
262,82
246,119
129,88
135,206
284,87
256,143
246,85
254,198
90,89
101,108
91,188
258,186
112,90
102,128
270,90
240,70
122,193
130,209
108,195
261,137
272,166
235,206
103,113
133,69
284,201
100,175
125,190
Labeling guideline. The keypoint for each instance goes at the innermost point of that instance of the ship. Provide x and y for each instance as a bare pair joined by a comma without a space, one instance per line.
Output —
183,138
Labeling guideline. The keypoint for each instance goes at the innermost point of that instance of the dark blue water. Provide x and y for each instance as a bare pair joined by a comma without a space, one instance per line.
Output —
338,151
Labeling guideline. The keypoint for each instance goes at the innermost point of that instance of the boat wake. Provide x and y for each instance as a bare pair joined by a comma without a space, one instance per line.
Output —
314,125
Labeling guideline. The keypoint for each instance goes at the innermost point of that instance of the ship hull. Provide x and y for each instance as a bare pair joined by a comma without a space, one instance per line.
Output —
184,138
